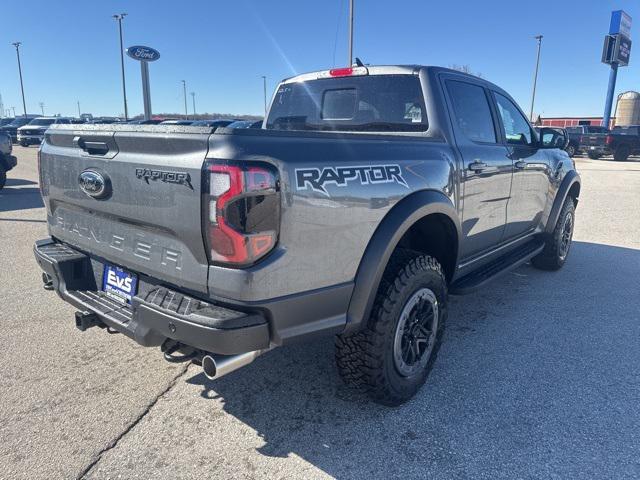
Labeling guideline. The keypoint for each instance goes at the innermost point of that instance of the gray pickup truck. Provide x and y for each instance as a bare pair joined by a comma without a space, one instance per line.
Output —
369,195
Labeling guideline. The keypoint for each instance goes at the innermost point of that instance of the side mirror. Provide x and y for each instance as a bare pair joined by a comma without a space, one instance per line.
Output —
553,138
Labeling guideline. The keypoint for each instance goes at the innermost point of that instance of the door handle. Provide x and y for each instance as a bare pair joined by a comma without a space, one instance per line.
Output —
478,166
520,165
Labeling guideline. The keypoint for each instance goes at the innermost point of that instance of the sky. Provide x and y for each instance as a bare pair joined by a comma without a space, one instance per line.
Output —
70,49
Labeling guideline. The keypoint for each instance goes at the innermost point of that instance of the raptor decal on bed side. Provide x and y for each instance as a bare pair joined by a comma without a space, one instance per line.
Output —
317,178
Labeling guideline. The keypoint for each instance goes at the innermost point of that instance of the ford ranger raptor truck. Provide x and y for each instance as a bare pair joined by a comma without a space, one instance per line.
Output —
369,195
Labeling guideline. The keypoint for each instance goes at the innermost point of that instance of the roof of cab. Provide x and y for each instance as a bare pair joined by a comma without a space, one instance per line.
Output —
382,70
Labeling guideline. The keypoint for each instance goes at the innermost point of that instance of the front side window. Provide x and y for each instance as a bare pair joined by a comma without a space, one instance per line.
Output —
368,103
517,130
471,111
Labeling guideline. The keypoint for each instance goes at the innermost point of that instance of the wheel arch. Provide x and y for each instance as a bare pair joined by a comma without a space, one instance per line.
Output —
414,216
570,186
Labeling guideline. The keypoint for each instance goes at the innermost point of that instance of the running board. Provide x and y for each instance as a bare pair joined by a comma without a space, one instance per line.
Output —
488,272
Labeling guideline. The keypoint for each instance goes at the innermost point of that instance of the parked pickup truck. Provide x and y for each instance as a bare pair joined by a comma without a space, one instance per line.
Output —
368,196
578,136
621,142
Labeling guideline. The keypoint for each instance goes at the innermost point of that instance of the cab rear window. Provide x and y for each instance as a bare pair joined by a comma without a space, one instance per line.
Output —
376,103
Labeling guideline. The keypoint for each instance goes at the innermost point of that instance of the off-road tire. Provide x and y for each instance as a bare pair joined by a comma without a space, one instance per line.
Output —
593,156
554,256
3,178
365,358
621,153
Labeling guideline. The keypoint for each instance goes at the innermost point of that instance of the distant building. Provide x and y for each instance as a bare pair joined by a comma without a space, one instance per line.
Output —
627,112
569,121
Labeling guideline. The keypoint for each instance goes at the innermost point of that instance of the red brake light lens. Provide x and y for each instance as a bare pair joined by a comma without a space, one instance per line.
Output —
344,72
241,212
341,72
608,140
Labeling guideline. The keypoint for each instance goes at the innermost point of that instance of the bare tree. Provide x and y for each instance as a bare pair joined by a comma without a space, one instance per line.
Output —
465,69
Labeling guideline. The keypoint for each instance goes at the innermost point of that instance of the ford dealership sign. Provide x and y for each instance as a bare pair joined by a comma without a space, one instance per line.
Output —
143,54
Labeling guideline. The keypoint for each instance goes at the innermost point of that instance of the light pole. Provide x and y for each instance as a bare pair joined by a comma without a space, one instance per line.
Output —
24,105
14,111
193,98
535,77
184,90
350,32
119,18
79,114
41,104
264,88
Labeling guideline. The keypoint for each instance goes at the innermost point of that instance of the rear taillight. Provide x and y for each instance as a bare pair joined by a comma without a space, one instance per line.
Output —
39,157
581,139
241,211
608,140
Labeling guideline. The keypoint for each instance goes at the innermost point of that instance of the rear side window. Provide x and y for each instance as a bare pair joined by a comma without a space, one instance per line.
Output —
375,103
471,111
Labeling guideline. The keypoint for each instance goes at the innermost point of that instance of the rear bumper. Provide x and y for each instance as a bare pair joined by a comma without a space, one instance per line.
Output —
596,149
156,313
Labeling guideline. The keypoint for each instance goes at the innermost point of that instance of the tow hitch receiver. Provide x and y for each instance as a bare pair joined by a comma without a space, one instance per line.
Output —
85,320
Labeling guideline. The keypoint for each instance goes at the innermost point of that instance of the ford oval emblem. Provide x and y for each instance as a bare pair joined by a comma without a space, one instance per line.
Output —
143,54
94,183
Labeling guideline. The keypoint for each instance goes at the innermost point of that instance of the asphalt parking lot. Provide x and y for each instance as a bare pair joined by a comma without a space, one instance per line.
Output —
538,377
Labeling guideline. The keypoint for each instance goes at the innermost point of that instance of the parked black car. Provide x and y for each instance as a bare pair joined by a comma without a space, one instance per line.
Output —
7,161
213,123
6,121
176,122
578,137
142,121
11,129
105,120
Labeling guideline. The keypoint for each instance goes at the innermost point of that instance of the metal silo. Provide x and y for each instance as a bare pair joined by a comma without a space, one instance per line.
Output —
628,109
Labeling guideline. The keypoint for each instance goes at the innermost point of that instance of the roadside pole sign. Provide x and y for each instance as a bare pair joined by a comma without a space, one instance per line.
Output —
620,23
144,55
617,43
622,50
616,52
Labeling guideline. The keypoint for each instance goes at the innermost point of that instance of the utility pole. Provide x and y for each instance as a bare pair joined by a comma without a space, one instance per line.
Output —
14,111
193,98
41,104
184,89
264,88
24,105
119,18
79,114
535,76
1,107
350,32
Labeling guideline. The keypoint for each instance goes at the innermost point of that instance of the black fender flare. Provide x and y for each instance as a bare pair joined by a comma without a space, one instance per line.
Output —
384,241
570,179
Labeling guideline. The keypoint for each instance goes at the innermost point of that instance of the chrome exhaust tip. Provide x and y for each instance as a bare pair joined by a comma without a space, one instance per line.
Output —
216,366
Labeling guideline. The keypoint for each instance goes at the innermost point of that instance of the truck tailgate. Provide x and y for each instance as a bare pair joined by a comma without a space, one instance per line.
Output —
594,140
149,219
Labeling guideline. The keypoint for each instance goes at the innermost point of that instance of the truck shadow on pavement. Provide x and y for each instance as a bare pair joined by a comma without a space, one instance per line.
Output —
530,369
21,198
